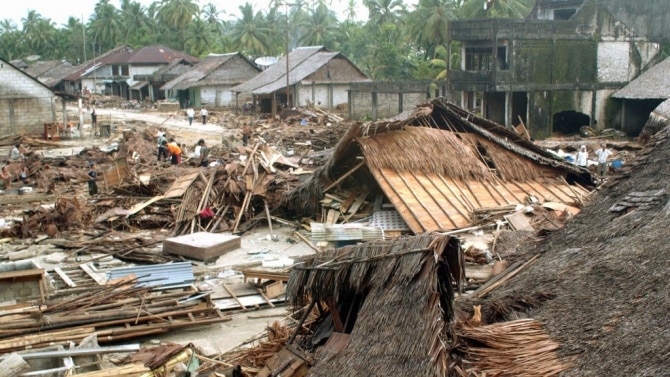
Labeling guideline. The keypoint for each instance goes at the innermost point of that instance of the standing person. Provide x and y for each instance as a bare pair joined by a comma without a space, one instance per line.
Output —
162,149
603,153
582,157
203,115
204,153
246,133
92,177
94,118
190,113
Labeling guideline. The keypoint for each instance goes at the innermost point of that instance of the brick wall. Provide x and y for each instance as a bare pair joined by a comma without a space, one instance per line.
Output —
19,290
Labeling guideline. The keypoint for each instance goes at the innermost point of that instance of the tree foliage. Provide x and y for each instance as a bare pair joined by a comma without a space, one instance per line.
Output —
394,43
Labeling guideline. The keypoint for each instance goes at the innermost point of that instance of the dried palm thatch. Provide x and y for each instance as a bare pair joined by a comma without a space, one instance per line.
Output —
400,328
428,150
658,119
520,348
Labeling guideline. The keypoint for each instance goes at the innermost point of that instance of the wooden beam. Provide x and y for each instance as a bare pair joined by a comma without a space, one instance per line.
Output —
344,176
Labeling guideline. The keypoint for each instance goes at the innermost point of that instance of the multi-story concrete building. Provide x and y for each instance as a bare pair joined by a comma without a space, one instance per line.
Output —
556,70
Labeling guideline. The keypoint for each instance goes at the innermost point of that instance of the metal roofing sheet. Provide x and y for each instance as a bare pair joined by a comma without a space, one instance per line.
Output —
170,275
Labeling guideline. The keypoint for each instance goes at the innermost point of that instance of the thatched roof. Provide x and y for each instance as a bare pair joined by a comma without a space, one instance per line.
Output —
652,84
407,299
226,69
303,62
51,72
439,164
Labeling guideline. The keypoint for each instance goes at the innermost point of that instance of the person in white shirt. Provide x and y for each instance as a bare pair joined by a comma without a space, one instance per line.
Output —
203,115
603,153
190,113
582,157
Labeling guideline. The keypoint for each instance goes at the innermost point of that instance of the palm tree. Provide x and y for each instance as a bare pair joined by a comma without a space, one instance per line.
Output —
106,25
177,15
249,33
429,23
473,9
383,12
135,23
11,46
199,37
319,27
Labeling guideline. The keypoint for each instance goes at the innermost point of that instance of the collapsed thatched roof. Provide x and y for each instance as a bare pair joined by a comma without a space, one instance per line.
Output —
440,163
406,305
652,84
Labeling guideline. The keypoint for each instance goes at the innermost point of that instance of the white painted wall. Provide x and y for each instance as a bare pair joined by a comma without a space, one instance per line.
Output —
614,61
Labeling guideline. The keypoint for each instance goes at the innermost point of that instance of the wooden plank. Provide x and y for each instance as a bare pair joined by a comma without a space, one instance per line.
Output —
94,275
230,292
267,300
65,278
344,176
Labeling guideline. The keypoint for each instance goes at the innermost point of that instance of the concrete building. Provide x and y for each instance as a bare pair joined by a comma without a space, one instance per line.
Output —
556,70
25,103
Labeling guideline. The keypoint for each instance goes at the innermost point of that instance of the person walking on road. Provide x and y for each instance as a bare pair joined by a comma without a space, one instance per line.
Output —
203,115
190,113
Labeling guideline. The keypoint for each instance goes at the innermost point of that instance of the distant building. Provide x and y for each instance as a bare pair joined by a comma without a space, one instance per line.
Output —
209,82
315,75
556,70
114,72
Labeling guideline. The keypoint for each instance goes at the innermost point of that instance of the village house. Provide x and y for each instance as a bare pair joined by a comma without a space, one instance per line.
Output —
438,168
315,76
51,73
209,82
26,104
114,72
556,70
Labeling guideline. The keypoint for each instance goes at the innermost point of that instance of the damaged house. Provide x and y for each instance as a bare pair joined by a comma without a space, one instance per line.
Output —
386,308
113,73
435,169
556,70
209,82
315,75
26,104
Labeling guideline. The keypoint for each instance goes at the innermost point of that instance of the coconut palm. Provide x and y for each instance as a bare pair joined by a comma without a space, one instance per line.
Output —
106,25
199,37
250,33
383,12
429,23
135,21
319,27
473,9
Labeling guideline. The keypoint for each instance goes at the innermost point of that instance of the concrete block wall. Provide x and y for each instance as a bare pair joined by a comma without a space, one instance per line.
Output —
25,104
19,290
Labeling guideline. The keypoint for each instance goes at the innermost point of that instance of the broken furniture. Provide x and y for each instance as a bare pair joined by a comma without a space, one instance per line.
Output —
202,246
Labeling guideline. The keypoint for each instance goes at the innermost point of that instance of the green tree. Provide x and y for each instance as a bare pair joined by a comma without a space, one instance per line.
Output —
199,37
429,24
319,28
474,9
11,46
177,15
250,33
106,26
136,24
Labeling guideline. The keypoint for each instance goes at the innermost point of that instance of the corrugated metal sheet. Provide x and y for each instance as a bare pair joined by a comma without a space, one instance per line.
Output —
170,275
345,232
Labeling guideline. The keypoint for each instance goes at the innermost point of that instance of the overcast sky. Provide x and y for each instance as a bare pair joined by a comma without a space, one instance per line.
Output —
60,11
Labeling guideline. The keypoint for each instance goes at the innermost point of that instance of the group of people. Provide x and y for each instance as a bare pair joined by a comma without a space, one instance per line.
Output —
174,151
190,113
601,153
